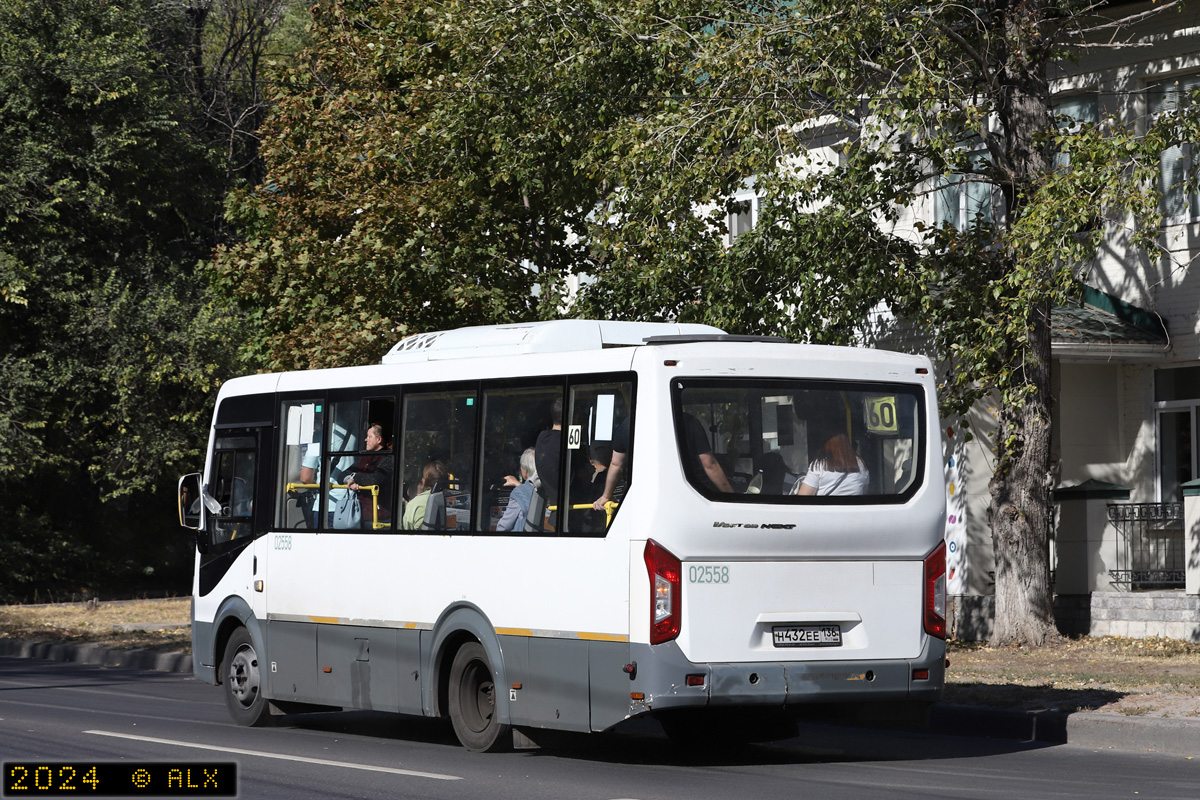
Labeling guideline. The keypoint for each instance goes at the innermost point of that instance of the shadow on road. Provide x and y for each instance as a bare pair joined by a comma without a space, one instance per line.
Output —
1029,698
642,741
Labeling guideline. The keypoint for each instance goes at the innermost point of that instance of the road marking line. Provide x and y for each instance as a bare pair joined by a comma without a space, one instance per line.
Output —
281,756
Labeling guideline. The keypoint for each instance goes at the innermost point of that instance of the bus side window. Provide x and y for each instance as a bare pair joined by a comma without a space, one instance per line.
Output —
599,453
300,465
514,419
361,456
437,460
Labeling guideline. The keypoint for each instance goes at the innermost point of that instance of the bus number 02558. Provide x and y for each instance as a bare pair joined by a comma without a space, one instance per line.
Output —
699,574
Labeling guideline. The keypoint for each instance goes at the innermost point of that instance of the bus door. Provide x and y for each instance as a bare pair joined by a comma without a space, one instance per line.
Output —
234,525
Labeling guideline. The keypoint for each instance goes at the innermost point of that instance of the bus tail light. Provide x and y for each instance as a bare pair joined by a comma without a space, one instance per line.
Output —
666,573
935,592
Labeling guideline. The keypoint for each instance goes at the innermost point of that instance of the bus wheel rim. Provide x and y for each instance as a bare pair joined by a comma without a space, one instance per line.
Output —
243,675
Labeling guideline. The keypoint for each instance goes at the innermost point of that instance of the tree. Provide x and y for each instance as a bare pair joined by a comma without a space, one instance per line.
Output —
917,96
110,347
412,185
218,55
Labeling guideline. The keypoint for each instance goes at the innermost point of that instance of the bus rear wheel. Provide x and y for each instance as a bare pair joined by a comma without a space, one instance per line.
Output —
242,682
472,702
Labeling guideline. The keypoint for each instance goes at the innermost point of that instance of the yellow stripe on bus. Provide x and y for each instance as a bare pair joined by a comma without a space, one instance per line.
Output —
514,631
327,620
604,637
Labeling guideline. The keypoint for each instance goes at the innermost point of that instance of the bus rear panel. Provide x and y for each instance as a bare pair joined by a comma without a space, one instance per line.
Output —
800,562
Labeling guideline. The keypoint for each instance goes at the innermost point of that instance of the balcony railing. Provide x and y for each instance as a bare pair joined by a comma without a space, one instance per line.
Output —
1150,545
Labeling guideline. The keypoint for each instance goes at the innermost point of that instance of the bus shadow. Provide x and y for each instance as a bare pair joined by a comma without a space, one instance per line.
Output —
642,741
814,743
1021,698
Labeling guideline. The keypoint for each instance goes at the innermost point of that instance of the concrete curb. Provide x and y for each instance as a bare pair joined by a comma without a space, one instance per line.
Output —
1085,729
1119,732
97,656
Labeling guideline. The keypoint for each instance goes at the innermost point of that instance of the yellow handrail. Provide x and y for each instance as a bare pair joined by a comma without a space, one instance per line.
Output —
374,489
609,508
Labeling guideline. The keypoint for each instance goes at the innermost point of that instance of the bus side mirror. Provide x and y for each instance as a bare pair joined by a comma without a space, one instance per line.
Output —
190,502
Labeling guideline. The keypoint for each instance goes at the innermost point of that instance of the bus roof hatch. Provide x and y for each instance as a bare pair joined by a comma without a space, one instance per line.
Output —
555,336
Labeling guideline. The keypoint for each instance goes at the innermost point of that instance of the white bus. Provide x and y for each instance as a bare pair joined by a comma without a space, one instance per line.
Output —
733,575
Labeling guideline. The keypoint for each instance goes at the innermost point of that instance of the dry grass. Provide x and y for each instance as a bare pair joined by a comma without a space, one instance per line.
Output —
109,624
1138,677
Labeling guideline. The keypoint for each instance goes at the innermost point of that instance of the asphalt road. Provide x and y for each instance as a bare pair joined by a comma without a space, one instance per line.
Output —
68,712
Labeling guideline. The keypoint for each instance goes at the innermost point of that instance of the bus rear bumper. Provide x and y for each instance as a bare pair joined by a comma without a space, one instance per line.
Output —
665,680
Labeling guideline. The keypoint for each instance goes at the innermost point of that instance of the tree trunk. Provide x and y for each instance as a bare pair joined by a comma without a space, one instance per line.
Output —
1021,512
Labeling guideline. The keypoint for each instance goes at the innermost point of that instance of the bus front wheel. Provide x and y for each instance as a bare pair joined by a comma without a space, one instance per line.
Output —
472,702
242,682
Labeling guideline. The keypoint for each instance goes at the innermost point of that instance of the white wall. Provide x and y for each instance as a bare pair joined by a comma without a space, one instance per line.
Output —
1166,45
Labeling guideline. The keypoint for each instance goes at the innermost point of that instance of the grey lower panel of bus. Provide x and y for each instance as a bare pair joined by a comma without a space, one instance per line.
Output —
551,683
566,684
344,665
202,646
662,672
583,685
380,669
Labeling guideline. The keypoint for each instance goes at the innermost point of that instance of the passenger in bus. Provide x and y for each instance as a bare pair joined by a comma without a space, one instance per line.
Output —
310,471
616,476
711,474
837,470
776,477
588,486
414,513
599,457
374,469
548,453
739,482
518,499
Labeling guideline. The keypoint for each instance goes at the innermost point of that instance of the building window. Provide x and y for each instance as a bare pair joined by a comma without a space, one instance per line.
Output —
964,199
1176,164
1072,112
1177,401
742,216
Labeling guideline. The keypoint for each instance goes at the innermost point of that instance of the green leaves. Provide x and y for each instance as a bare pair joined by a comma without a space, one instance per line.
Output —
441,178
109,351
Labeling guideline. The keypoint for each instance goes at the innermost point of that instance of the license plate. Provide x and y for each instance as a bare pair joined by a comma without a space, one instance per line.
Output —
807,635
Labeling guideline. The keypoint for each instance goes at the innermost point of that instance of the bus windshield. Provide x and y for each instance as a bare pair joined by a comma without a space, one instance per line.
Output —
793,440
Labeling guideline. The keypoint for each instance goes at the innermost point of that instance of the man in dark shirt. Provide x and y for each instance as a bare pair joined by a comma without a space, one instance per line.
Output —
618,467
548,455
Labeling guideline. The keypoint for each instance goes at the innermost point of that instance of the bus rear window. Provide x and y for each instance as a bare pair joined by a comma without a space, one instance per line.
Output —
787,440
